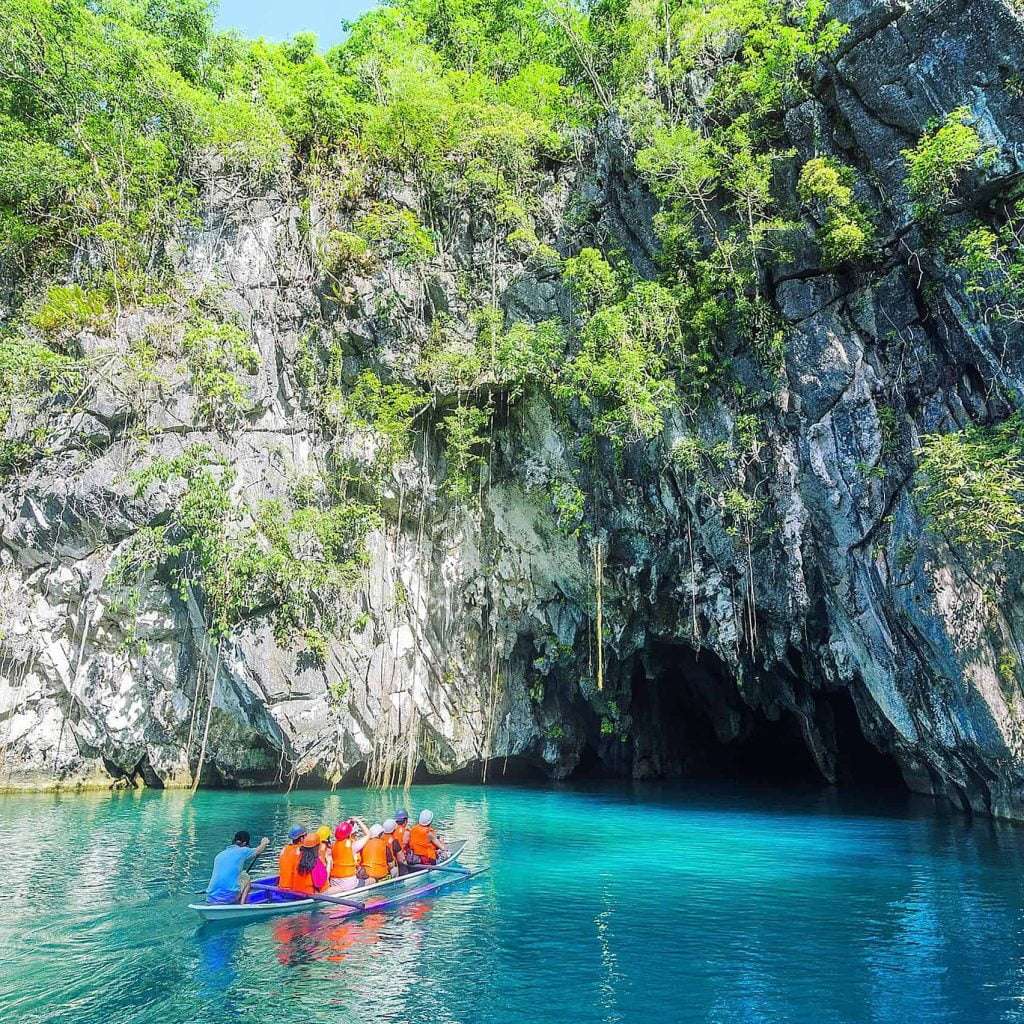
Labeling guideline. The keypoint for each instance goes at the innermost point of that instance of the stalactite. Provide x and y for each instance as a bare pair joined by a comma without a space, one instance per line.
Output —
209,716
598,553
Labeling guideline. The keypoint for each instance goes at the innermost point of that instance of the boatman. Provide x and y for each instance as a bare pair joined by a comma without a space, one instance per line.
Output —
229,882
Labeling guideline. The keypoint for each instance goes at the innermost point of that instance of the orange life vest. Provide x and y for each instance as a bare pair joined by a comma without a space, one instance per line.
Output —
344,863
401,834
286,865
375,857
421,842
302,883
394,845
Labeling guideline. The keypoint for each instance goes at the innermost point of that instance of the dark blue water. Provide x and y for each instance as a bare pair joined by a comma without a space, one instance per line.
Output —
607,904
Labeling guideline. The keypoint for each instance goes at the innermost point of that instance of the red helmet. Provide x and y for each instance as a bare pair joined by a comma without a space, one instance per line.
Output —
344,830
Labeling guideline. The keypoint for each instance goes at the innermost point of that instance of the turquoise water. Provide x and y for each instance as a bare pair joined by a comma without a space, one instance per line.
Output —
601,904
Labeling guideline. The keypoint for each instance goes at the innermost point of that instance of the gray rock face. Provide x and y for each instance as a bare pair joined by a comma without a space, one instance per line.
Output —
842,639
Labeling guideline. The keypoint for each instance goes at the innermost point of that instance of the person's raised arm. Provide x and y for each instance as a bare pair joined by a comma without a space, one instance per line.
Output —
254,855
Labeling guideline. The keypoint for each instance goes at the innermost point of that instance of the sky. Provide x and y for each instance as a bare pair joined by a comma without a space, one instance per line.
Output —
281,19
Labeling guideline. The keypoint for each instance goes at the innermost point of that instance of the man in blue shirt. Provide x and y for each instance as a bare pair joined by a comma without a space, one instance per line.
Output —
229,883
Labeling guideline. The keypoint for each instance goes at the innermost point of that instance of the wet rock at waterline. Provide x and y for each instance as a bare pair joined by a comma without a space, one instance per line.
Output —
838,641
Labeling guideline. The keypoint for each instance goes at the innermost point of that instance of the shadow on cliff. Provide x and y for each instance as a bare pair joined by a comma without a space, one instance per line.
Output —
690,717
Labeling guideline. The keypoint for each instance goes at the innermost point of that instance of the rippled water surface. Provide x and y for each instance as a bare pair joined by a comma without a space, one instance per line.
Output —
641,904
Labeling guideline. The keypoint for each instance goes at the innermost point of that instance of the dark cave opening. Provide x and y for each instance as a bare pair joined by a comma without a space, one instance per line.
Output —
859,761
689,719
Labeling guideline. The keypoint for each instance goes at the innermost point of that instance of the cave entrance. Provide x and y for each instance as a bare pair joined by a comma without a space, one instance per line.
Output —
690,720
858,760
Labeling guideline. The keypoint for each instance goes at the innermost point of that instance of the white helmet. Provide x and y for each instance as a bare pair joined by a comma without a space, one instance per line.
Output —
375,831
426,817
390,825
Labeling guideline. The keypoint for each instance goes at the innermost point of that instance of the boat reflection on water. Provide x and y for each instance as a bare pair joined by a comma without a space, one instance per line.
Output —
295,939
344,938
339,938
219,950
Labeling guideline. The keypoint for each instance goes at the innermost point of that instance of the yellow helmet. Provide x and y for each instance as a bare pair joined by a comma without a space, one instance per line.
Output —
324,833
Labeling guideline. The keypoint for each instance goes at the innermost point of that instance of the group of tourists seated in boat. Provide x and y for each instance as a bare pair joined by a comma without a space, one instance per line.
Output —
355,854
316,861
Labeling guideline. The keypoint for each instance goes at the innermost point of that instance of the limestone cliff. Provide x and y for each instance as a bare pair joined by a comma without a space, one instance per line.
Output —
838,629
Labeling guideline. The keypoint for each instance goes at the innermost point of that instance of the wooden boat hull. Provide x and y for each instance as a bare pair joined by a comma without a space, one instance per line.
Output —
390,892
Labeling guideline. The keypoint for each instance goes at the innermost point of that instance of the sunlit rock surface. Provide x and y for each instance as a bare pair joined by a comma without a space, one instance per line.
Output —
844,642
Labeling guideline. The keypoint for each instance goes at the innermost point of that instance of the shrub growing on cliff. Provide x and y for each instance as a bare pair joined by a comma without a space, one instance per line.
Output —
527,356
939,163
216,353
826,187
237,561
396,234
570,505
992,261
590,278
465,436
389,410
65,309
31,372
971,486
621,374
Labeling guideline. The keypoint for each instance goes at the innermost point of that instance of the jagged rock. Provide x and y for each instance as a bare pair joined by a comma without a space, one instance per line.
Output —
843,638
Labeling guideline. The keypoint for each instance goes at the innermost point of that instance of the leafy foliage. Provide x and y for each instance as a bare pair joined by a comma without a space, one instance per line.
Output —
826,187
66,309
620,372
215,353
396,234
939,163
464,432
240,562
591,279
972,486
992,260
390,410
718,150
31,373
570,505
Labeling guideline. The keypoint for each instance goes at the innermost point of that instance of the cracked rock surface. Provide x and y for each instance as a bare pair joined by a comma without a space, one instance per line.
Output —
844,630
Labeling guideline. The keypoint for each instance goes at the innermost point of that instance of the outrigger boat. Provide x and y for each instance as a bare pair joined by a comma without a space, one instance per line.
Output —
266,899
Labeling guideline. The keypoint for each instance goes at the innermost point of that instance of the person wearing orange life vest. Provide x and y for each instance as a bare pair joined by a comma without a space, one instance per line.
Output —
344,859
402,827
288,861
395,850
303,880
377,859
424,843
